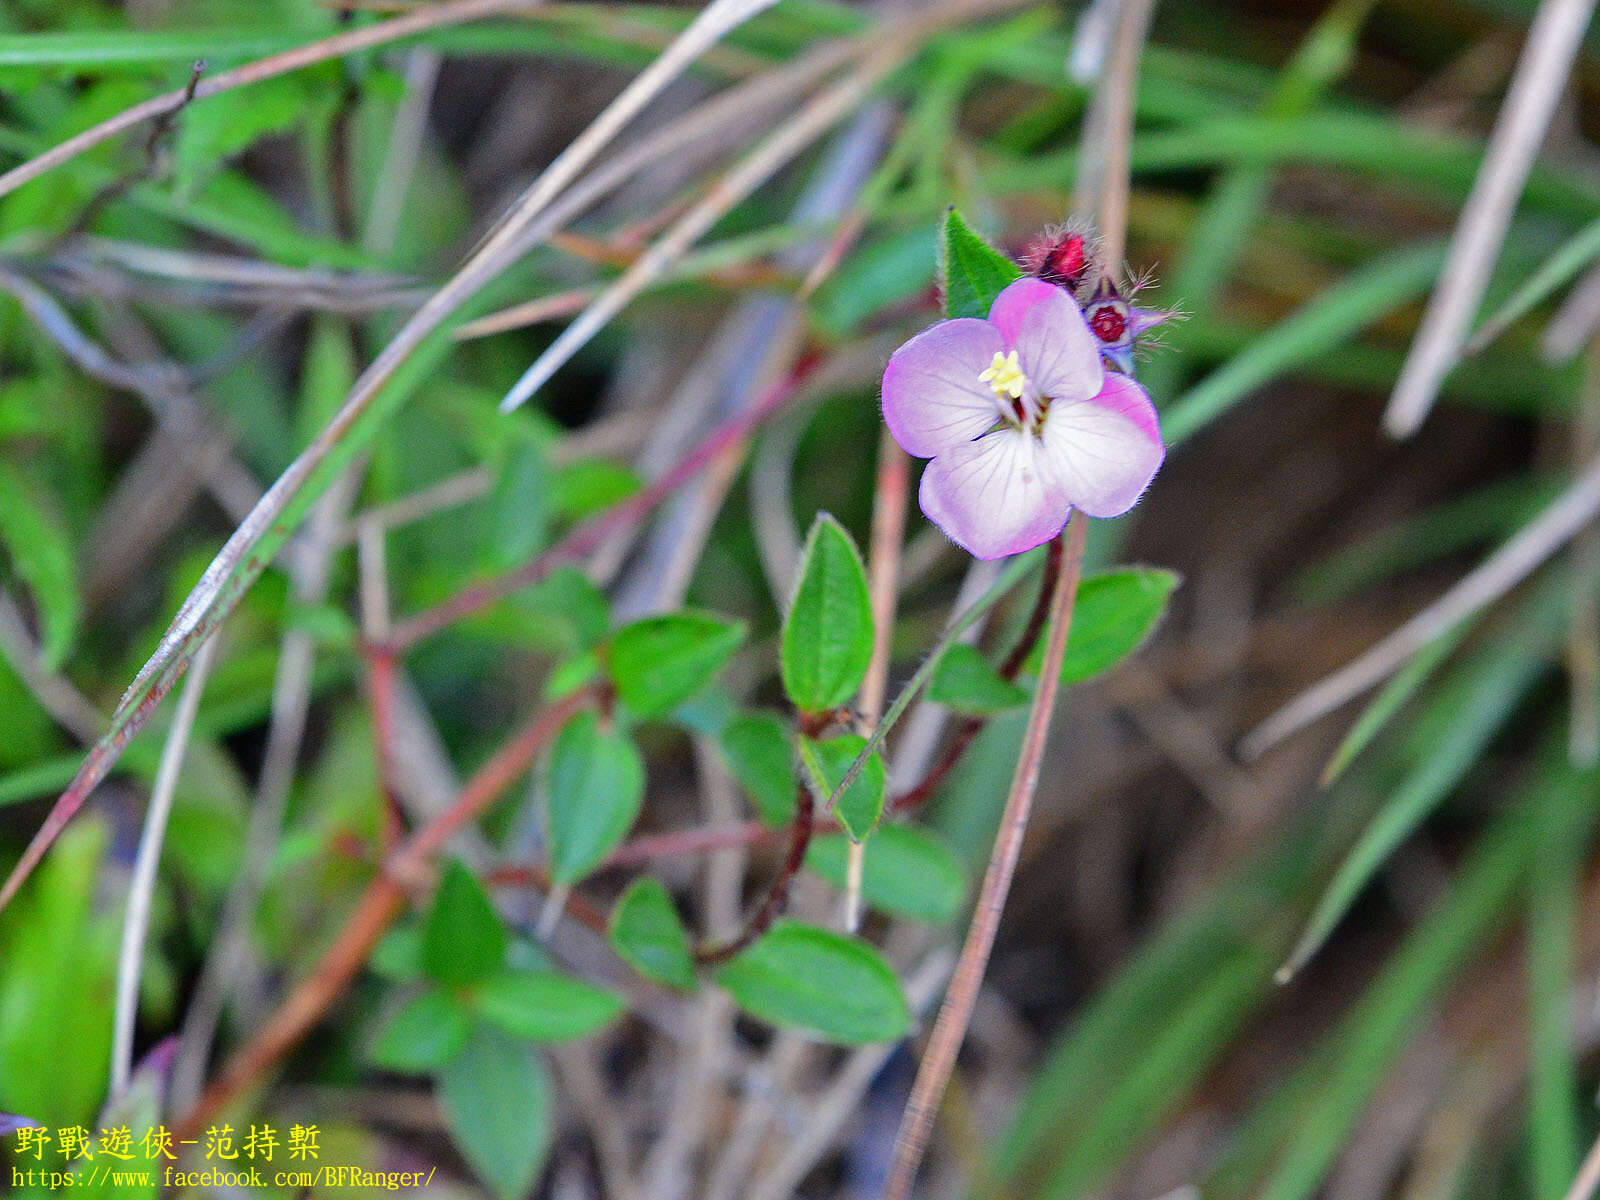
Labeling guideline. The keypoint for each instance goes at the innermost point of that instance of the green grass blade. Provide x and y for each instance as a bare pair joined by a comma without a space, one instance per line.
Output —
1478,699
1336,316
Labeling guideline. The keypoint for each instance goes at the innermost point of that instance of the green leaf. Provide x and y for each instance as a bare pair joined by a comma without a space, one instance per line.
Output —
42,555
519,509
827,636
649,935
907,871
424,1034
964,680
971,272
585,487
462,938
596,788
1114,613
661,661
545,1006
801,977
398,957
758,752
861,804
496,1101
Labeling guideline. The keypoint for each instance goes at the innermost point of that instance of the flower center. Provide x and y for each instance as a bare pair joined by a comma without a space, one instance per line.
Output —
1005,376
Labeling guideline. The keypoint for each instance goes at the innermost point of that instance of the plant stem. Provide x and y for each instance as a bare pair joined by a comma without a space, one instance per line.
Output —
778,894
955,1014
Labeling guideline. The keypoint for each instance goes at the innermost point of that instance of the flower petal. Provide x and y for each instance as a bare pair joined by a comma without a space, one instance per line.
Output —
1106,450
1045,325
932,396
995,496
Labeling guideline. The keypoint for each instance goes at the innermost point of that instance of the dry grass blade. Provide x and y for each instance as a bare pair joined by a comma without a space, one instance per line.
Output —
786,142
269,524
1541,74
1496,576
136,920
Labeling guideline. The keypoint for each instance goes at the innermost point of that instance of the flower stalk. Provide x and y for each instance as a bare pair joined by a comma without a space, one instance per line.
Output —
955,1014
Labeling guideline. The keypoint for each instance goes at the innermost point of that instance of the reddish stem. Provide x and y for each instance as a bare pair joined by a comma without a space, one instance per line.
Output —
778,894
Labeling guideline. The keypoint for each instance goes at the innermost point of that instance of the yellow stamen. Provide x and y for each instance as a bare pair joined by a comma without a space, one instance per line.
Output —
1005,376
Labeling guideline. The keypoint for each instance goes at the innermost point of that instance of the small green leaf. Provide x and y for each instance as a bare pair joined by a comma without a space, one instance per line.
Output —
964,680
659,662
398,957
861,805
971,272
519,509
596,788
585,487
462,938
649,935
760,755
546,1006
568,599
802,977
496,1101
827,636
424,1034
1114,613
42,555
907,871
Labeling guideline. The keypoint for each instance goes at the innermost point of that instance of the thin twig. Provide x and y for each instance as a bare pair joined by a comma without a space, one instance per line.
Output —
955,1014
777,896
1541,74
147,169
1496,576
291,698
136,918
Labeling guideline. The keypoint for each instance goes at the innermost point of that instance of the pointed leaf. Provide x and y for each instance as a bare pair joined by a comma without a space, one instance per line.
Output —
758,751
907,872
964,680
659,662
463,940
1114,613
596,787
42,556
802,977
649,935
971,272
424,1034
861,804
545,1006
827,637
496,1101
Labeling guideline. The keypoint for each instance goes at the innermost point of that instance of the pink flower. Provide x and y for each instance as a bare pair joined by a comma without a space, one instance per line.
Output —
1022,421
